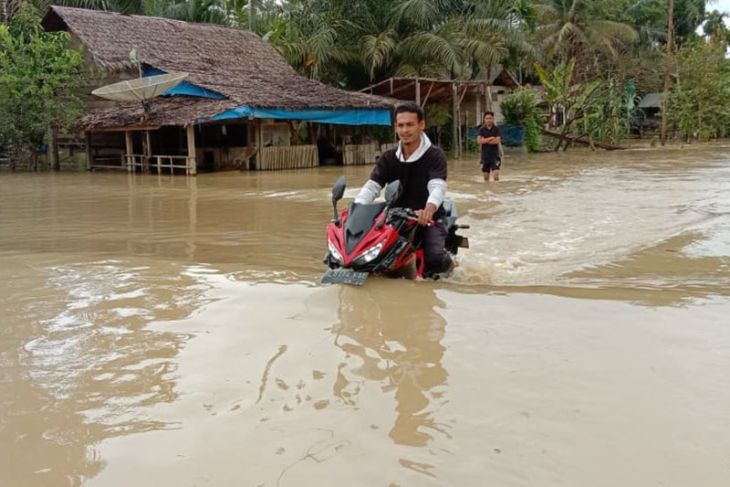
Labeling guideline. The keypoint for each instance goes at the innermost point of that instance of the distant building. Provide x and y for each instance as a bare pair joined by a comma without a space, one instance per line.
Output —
240,107
466,100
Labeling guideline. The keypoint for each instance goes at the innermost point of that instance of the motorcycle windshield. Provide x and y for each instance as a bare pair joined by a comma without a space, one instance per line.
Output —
360,220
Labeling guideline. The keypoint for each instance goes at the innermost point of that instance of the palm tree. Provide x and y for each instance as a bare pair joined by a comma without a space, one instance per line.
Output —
377,50
715,26
311,40
580,29
441,38
452,49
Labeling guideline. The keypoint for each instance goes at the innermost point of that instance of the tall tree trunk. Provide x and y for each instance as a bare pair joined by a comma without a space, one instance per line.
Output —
11,158
668,62
53,149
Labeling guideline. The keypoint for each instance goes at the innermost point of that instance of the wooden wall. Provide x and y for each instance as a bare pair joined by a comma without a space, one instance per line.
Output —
292,157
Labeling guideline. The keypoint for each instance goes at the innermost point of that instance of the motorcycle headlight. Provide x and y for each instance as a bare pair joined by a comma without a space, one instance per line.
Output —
370,254
334,252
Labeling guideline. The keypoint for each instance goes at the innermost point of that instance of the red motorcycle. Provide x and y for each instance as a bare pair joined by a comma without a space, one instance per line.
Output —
379,239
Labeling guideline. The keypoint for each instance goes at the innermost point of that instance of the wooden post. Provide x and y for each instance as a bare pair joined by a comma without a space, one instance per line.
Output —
53,149
479,109
418,92
192,165
487,97
391,87
261,140
428,94
129,156
147,152
258,139
455,120
89,152
667,64
465,136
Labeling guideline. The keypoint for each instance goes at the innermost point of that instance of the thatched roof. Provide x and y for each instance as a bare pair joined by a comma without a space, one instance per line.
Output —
168,110
233,62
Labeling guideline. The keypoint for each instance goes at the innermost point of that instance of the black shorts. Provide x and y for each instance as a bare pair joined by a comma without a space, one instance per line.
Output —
493,165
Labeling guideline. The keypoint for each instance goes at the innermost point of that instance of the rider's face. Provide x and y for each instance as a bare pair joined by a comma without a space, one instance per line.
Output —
409,128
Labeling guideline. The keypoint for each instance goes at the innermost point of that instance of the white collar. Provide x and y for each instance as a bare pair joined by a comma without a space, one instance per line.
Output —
418,153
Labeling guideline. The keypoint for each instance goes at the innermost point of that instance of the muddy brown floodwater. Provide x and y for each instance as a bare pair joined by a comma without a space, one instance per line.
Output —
159,331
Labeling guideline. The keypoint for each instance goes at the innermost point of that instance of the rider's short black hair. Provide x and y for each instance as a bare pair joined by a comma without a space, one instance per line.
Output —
410,107
488,113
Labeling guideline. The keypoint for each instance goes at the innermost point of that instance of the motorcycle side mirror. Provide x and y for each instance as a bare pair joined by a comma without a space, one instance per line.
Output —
338,191
392,192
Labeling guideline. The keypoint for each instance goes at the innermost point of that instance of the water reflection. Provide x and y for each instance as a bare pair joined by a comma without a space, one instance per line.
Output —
43,437
394,338
90,366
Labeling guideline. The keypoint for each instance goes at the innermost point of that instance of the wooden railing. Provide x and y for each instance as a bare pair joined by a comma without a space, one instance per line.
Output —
287,157
160,162
108,162
133,161
170,162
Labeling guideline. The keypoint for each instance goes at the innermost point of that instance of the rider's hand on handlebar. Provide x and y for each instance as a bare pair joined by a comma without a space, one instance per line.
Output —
425,216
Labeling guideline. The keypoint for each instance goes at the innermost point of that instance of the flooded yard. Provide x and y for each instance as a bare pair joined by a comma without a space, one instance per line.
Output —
171,331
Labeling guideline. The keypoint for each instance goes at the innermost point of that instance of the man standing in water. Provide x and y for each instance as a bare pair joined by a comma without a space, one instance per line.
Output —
421,168
489,138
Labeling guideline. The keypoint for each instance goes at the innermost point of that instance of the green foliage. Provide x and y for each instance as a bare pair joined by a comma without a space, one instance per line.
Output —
607,119
582,51
700,101
38,79
518,106
438,118
521,108
562,92
688,16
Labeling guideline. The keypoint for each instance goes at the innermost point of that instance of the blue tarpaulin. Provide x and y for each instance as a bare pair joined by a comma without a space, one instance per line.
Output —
185,88
512,135
346,116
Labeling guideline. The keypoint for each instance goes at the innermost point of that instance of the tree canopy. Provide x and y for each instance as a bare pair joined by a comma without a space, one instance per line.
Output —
38,81
353,43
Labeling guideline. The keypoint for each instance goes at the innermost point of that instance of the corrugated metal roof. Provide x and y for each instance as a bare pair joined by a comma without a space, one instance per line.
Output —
651,100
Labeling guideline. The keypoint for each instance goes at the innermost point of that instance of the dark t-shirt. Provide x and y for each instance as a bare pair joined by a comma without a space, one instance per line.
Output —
490,152
414,176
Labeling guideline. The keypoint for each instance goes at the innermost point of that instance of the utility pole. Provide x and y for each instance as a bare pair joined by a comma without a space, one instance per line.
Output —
667,65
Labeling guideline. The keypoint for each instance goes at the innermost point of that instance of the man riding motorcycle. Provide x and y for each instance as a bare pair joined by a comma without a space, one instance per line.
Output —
421,169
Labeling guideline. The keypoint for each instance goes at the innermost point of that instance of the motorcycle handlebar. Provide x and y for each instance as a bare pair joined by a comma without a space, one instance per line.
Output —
407,214
415,219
